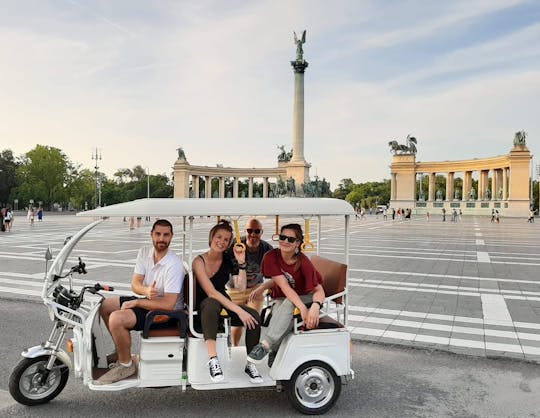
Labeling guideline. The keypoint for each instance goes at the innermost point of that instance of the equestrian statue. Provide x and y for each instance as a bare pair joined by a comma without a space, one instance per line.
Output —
408,148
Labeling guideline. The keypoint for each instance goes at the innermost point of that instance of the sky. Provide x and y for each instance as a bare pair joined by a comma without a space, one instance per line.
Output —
137,79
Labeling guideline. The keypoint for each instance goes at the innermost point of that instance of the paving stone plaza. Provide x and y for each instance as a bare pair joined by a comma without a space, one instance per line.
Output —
469,287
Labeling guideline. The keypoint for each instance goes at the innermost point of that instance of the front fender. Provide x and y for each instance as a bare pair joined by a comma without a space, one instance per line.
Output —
39,350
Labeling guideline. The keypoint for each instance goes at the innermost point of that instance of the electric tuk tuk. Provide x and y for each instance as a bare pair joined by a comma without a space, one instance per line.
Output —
310,366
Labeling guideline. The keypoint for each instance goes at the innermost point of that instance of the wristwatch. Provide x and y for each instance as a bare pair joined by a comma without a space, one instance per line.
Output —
320,303
242,266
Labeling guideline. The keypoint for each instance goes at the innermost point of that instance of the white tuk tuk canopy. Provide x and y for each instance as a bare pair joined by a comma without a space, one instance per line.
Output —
164,207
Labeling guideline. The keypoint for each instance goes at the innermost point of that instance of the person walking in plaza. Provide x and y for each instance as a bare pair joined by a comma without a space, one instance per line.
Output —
385,214
212,271
492,215
443,214
8,220
40,214
158,277
460,215
296,284
530,219
253,294
497,216
30,215
454,215
427,216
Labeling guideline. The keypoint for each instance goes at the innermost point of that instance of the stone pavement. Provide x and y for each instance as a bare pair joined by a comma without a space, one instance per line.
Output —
469,287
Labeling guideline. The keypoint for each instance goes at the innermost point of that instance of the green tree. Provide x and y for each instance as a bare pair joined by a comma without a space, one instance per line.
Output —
343,189
43,176
8,176
81,189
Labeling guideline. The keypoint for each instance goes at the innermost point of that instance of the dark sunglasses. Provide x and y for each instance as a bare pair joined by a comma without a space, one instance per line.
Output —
292,240
253,231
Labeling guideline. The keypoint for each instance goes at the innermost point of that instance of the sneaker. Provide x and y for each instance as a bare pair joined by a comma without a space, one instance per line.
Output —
216,374
271,358
258,353
116,373
253,373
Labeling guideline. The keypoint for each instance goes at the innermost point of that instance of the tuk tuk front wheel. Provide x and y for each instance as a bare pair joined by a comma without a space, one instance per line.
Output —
314,388
30,383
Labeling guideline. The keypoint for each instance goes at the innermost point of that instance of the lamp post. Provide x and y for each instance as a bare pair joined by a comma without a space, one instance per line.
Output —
97,157
147,182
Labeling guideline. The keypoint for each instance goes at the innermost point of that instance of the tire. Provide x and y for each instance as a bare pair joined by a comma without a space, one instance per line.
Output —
25,385
314,388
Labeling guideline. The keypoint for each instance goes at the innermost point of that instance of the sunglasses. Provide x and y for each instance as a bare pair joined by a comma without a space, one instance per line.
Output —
292,240
253,231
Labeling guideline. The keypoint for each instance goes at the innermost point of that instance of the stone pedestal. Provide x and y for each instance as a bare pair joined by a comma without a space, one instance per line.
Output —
181,179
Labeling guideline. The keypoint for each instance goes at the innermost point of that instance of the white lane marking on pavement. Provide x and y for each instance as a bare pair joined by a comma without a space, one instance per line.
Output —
483,257
478,234
5,399
450,276
480,242
494,308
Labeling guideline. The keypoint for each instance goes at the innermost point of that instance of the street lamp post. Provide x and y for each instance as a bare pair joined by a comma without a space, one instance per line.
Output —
147,182
97,157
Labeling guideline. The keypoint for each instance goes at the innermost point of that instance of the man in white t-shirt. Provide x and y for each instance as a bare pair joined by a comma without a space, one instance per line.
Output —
158,278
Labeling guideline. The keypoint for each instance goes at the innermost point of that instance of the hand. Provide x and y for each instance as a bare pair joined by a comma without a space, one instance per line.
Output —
248,320
239,254
130,304
256,294
152,291
312,319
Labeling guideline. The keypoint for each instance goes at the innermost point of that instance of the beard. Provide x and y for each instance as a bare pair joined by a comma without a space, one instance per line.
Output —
161,245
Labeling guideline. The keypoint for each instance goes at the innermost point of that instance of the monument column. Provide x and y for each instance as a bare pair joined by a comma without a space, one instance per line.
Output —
207,187
494,185
265,187
450,186
431,188
505,184
298,168
222,187
181,176
195,183
250,187
235,188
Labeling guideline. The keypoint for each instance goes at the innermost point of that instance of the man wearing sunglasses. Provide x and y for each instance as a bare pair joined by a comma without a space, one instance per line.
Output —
253,296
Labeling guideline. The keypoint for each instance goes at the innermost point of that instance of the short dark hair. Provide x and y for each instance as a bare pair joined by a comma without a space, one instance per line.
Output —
162,222
223,224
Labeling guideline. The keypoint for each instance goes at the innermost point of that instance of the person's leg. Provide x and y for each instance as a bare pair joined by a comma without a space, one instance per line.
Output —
252,335
239,298
120,324
280,323
210,310
108,306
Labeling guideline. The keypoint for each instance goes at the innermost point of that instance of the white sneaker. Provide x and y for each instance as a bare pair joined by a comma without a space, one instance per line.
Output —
216,374
253,373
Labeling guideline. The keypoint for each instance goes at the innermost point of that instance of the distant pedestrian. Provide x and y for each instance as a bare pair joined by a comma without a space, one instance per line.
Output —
460,213
40,214
492,215
131,222
30,215
443,214
427,216
497,218
393,214
8,220
530,219
385,214
454,215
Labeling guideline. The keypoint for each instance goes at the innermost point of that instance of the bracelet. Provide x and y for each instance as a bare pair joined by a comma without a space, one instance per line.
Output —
241,267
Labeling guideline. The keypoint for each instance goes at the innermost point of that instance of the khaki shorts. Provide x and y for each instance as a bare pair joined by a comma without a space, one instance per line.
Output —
242,298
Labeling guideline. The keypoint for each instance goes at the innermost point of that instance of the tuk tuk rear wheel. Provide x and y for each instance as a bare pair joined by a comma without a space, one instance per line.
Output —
314,388
30,383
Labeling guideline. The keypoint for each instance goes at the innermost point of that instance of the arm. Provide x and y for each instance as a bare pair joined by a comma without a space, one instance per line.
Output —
258,291
210,290
137,287
165,303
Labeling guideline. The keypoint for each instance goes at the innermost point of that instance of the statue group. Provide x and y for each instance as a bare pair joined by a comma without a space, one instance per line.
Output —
408,148
284,156
519,138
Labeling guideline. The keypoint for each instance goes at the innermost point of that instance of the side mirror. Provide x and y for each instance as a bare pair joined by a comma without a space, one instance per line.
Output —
67,240
48,254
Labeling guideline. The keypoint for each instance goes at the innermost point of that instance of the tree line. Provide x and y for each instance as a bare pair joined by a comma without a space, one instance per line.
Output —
46,176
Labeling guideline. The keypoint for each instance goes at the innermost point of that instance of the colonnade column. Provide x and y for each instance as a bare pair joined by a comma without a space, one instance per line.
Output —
467,185
450,186
431,188
495,184
195,183
207,187
235,188
393,186
505,183
250,187
265,187
222,187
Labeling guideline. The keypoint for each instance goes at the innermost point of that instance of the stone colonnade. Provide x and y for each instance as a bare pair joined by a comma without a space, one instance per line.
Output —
502,184
186,179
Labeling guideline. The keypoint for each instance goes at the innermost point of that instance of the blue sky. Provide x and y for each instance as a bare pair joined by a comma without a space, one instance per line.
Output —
137,79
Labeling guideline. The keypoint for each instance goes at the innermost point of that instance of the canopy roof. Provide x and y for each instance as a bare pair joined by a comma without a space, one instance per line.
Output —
225,207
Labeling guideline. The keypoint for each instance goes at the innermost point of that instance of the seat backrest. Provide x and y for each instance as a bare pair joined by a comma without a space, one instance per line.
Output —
334,275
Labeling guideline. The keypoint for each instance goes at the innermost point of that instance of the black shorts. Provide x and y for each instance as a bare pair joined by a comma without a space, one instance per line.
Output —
140,315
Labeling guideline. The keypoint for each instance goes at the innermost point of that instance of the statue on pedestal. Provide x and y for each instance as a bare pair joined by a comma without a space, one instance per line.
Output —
519,138
181,155
291,187
439,195
472,194
488,194
299,49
